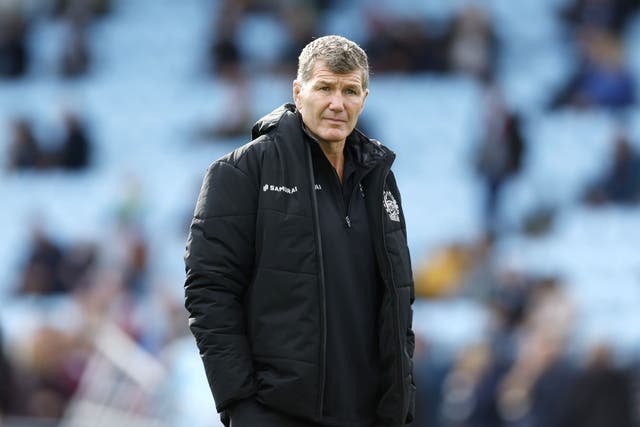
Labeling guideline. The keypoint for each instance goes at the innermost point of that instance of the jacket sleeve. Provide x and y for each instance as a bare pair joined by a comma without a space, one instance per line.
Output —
410,338
219,264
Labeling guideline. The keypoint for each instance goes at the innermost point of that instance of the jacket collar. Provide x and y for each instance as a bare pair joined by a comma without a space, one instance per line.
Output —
367,152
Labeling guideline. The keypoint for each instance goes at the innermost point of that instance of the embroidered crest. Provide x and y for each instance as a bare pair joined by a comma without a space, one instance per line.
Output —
391,206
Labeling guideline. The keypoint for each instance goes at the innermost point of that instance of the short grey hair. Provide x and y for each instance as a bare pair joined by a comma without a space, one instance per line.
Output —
340,54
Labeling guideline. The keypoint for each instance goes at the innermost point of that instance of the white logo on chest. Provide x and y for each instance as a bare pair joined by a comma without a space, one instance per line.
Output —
280,188
391,206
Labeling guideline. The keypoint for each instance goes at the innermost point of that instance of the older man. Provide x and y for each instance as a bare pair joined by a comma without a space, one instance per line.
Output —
299,283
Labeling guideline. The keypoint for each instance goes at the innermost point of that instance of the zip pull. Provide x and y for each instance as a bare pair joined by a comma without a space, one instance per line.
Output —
347,221
361,190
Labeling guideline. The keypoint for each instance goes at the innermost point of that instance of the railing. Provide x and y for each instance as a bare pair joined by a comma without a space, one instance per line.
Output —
120,386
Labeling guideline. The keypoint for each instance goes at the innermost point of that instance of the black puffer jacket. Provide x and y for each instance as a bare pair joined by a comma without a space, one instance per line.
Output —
255,286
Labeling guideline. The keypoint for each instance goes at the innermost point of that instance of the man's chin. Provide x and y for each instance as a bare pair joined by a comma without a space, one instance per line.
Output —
333,137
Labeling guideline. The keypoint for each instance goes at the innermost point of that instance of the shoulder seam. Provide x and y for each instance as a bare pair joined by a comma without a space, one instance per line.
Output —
233,165
248,147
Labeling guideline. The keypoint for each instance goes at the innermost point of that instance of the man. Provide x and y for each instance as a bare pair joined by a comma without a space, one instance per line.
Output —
299,283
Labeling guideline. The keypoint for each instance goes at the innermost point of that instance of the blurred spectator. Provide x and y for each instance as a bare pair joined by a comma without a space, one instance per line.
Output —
538,368
466,389
458,267
524,376
135,267
9,395
91,8
130,205
539,220
24,150
472,44
41,274
603,78
549,304
607,15
465,45
430,372
5,381
533,389
501,153
78,17
550,391
236,120
226,61
53,365
76,55
14,55
75,150
621,180
481,279
399,44
302,20
77,265
508,306
224,56
441,274
602,395
128,251
53,269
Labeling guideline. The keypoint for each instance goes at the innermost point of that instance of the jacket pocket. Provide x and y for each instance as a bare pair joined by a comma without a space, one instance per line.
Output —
284,316
285,241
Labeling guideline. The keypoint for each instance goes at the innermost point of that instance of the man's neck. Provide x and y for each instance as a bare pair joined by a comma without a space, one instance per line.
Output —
333,151
335,154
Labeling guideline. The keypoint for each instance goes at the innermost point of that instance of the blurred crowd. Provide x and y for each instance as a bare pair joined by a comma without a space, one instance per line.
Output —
71,150
73,288
524,374
17,19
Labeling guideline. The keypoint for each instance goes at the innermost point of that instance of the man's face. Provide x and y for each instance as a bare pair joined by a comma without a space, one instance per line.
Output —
330,103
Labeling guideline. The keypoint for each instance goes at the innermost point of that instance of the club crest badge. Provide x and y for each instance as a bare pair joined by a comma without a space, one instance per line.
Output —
391,206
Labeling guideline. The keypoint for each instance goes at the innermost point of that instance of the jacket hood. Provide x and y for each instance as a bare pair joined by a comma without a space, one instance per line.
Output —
270,121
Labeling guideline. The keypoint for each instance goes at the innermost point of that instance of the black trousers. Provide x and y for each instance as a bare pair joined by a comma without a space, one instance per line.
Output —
250,413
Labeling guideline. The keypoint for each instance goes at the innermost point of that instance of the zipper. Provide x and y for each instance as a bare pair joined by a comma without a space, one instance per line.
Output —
338,190
323,305
357,189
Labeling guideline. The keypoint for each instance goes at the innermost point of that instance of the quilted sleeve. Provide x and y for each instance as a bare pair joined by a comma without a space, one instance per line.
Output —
219,264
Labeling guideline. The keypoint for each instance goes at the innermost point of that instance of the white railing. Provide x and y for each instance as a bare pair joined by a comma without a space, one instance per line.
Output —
120,386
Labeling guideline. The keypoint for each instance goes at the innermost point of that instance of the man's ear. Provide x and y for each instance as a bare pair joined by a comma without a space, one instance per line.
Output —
296,93
366,93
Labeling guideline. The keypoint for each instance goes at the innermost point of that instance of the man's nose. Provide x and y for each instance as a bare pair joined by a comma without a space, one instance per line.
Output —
337,101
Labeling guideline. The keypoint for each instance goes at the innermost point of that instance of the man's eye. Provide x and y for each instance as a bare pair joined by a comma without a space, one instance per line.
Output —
324,88
351,92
